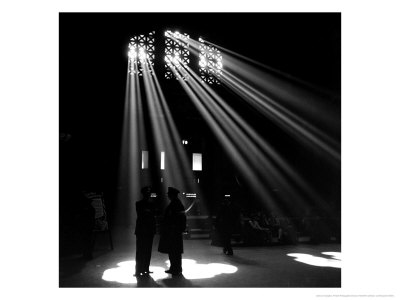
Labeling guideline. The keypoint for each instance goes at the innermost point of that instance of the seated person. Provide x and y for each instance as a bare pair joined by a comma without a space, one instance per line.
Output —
272,223
263,233
288,231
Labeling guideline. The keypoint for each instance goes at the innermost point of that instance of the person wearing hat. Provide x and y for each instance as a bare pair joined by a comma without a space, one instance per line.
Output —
174,224
145,230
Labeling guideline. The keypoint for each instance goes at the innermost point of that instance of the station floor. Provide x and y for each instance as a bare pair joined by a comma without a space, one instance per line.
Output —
204,265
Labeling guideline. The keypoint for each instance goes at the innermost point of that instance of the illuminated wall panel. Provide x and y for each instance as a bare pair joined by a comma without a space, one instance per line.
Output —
197,162
145,159
162,161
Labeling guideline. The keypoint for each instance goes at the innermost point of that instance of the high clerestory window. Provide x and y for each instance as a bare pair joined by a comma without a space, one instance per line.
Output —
141,54
176,55
210,64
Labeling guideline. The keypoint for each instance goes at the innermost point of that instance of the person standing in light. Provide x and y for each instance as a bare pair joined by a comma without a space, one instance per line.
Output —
145,230
174,224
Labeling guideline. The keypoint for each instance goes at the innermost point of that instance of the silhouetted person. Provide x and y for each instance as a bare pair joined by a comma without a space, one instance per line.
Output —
87,225
174,224
226,221
145,230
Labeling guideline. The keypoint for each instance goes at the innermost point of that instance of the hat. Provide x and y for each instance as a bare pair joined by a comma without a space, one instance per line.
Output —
145,189
173,191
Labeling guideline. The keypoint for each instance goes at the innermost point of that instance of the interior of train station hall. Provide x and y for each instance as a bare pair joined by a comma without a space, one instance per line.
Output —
238,106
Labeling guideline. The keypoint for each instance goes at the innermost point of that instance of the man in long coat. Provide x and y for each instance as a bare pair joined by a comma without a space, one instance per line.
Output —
226,222
145,230
174,224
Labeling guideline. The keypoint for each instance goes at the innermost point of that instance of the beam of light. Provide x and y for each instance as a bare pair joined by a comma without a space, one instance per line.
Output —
256,159
334,262
299,128
262,150
164,139
277,82
284,75
178,155
287,104
292,123
132,137
178,171
123,273
230,139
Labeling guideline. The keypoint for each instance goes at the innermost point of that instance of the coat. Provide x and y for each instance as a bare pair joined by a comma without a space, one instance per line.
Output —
172,227
146,220
227,220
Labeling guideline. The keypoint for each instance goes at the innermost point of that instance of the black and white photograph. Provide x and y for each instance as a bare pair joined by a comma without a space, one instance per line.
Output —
194,150
200,150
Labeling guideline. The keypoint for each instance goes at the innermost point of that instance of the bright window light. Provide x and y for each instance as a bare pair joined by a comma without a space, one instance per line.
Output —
162,160
141,53
176,55
145,159
197,162
210,63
